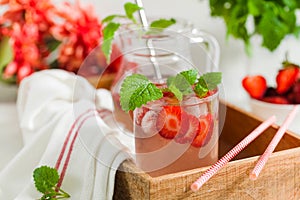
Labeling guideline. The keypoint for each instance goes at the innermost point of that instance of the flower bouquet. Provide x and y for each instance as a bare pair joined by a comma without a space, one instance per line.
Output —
37,35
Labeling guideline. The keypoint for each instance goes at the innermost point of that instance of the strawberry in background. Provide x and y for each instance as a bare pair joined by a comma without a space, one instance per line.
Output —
286,91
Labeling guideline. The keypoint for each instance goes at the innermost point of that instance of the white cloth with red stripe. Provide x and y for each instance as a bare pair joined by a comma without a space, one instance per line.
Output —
48,103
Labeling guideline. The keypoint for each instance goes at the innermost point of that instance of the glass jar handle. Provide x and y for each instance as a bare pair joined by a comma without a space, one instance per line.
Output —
211,47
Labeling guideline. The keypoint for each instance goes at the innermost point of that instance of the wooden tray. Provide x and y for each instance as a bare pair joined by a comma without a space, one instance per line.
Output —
280,178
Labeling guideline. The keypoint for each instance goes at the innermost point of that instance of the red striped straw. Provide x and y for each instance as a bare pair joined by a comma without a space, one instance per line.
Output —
264,158
232,153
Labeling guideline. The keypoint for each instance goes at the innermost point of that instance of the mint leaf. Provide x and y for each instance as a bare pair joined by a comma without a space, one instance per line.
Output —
45,178
190,76
130,9
201,88
137,90
206,82
178,94
212,79
108,36
111,18
162,23
182,83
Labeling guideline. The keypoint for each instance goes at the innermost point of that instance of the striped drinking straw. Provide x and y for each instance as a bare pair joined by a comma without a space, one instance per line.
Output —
232,153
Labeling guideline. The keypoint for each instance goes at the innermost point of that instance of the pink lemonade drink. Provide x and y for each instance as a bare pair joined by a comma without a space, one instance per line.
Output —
175,123
172,136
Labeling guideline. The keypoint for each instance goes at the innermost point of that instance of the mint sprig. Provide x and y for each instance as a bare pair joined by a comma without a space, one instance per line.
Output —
45,180
112,27
137,90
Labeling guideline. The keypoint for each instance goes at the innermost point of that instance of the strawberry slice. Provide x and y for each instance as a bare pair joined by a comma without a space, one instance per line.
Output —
169,121
255,85
286,78
188,130
205,130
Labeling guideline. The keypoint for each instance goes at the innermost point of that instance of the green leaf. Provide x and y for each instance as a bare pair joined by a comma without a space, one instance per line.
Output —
108,37
111,18
45,178
181,84
137,90
292,4
162,23
273,20
206,82
190,76
212,79
178,94
6,53
130,9
255,7
201,88
272,30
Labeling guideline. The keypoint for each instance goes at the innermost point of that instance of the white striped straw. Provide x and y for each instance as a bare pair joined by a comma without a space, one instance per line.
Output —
232,153
264,158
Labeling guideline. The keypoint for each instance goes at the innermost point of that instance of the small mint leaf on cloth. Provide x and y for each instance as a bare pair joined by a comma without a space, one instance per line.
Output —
137,90
45,178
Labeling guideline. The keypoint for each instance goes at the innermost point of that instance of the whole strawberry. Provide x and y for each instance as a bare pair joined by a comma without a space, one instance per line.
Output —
287,90
286,78
255,85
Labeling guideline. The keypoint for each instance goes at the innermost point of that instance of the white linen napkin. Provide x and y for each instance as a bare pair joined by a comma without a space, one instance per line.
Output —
48,103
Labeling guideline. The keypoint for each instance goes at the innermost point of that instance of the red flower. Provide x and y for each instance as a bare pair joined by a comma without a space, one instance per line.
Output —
81,33
36,28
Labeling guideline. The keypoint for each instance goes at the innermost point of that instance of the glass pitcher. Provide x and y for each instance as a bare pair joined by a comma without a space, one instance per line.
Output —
143,50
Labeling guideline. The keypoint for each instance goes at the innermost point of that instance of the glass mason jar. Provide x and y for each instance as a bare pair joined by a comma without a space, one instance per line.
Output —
179,47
